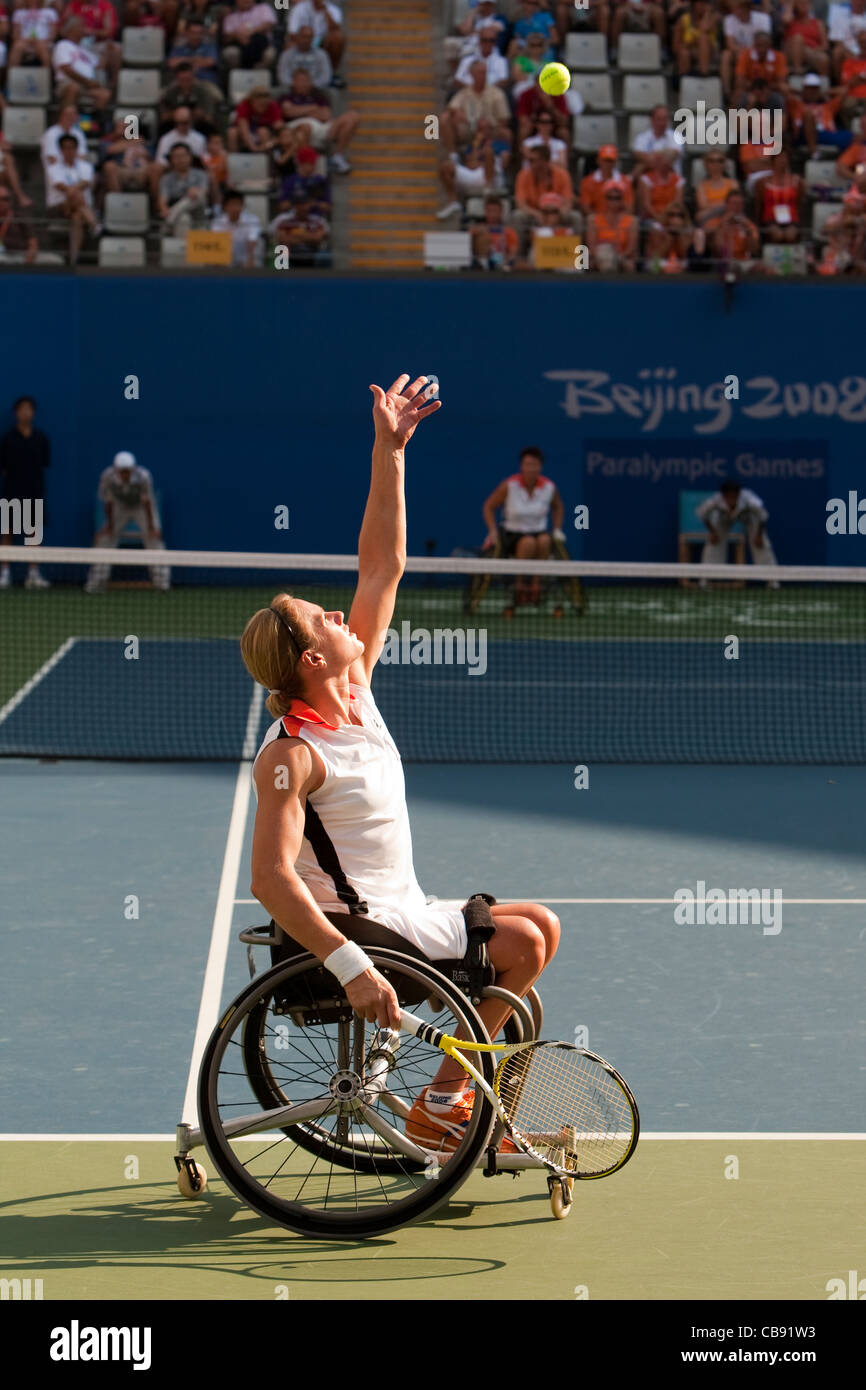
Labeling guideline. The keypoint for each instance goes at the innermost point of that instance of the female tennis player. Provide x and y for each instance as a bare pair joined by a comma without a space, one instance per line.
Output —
332,834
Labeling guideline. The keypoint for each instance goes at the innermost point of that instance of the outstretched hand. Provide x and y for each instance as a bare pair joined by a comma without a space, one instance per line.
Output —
396,412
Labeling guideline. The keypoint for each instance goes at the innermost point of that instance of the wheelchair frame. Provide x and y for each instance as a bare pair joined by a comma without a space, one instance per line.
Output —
454,979
480,583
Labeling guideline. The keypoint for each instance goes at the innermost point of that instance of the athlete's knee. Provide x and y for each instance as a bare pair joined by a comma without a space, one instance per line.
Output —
528,948
549,926
547,923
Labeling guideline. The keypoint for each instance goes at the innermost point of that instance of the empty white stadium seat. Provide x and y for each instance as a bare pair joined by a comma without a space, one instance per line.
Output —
641,92
172,251
249,171
639,53
24,126
143,47
821,173
705,89
447,250
126,212
595,88
121,251
29,86
591,132
585,52
138,87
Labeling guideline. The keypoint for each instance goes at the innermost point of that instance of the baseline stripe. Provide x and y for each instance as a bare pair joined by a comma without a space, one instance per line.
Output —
672,1136
637,902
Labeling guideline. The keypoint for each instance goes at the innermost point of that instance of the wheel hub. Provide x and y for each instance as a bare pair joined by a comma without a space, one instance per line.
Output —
345,1085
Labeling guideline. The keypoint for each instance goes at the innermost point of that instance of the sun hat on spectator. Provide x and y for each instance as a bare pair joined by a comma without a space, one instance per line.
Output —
306,155
811,80
124,459
608,152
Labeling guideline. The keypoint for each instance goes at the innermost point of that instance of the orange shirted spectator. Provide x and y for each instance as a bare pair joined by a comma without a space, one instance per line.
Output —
855,154
762,61
735,238
658,188
612,235
755,162
854,69
529,188
805,40
813,114
856,194
592,185
216,161
712,190
542,177
779,199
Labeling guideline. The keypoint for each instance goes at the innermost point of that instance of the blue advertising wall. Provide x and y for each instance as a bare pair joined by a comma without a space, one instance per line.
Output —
253,395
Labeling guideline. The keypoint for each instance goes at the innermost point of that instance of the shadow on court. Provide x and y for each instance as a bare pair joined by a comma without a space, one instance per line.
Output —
815,808
215,1234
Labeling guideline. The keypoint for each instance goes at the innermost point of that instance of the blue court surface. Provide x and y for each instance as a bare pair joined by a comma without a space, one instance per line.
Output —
125,883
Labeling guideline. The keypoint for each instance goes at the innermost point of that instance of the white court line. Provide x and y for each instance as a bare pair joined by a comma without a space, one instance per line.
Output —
211,990
721,1135
601,902
34,680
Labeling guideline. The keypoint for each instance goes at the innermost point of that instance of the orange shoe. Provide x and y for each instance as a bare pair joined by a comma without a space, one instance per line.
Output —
442,1130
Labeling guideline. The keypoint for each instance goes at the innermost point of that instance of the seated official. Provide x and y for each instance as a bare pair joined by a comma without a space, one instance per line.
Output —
532,516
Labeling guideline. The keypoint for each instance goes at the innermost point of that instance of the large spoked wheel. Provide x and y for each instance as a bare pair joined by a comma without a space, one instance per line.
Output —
303,1110
260,1038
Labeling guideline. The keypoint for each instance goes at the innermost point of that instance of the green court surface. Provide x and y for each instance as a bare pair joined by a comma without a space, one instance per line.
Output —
671,1225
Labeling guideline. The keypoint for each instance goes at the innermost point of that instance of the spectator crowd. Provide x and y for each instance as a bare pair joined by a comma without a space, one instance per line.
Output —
609,164
238,128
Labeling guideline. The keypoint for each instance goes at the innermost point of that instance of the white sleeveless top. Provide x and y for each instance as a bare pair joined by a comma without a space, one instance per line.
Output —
527,511
356,853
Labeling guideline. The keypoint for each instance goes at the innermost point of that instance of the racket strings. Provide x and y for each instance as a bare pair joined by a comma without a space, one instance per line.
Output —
567,1107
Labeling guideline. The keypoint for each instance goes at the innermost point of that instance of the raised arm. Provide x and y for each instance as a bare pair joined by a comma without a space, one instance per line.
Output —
382,543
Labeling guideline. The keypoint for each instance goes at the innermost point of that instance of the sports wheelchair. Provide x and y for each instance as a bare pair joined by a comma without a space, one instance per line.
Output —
302,1104
567,592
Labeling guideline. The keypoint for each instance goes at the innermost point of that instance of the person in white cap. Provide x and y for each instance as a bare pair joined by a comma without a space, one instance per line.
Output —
126,491
733,503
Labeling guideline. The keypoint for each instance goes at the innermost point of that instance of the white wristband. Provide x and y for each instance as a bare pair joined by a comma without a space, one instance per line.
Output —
347,962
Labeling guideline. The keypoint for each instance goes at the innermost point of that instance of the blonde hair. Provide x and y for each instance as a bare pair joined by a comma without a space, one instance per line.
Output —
271,655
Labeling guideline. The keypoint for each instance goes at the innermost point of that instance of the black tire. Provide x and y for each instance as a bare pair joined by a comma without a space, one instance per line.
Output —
425,1192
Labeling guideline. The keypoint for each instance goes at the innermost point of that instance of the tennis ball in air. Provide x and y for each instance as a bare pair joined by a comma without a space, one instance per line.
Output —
554,79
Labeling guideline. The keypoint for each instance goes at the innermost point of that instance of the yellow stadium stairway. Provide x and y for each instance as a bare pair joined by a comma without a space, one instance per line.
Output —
393,190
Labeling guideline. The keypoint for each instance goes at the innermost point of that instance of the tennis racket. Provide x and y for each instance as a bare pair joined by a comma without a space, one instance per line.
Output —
566,1107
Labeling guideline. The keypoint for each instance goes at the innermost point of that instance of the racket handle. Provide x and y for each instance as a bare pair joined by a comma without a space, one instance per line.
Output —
410,1023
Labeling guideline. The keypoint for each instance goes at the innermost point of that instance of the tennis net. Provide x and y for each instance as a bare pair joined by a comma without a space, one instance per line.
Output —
486,660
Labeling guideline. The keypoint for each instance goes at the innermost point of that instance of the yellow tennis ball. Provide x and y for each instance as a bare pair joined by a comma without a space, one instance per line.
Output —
554,79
